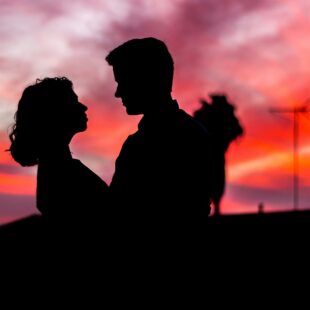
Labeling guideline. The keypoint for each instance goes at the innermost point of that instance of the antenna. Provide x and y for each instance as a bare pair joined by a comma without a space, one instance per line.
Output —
296,111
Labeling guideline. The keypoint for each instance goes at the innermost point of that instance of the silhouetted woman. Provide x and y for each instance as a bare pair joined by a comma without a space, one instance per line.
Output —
49,114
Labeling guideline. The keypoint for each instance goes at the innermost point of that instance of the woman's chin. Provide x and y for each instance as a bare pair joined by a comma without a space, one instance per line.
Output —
82,128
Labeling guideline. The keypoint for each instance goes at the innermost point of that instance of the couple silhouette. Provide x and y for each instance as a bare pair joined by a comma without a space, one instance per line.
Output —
162,174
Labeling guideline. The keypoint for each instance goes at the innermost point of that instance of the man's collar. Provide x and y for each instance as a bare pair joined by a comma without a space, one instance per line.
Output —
161,114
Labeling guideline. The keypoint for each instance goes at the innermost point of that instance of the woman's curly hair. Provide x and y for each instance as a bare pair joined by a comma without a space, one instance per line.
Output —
34,116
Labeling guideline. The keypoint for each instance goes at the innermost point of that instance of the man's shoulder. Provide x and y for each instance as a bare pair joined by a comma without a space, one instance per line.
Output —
192,125
133,140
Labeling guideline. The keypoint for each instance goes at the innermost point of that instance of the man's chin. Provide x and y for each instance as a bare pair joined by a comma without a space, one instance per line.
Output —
132,111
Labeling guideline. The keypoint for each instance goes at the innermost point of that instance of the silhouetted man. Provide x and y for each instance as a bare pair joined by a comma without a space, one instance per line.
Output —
162,169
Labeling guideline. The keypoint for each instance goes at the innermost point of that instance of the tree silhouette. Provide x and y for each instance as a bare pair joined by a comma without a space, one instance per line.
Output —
218,117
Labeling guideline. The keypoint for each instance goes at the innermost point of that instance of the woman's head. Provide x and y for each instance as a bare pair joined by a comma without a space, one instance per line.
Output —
48,112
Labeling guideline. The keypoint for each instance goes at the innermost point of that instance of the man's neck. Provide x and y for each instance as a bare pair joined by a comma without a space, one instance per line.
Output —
159,105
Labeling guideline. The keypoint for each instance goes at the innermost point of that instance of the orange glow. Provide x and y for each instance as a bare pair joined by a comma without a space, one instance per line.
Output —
17,184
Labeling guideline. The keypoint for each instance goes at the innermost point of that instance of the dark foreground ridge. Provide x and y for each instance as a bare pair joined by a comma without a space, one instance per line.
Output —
240,228
251,245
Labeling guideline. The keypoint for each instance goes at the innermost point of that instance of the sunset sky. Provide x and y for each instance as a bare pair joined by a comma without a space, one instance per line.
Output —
257,52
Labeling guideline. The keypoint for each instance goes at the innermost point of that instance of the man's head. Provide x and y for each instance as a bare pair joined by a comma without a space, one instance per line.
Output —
143,70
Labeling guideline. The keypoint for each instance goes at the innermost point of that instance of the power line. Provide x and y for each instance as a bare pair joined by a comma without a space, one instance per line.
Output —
296,112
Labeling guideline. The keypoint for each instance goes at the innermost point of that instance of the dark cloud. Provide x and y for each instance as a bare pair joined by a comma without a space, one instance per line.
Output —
16,206
277,198
15,169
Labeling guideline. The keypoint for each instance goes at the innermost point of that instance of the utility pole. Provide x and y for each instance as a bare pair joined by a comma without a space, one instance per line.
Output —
296,111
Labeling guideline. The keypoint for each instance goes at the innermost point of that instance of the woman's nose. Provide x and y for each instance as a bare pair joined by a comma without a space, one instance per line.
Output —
117,92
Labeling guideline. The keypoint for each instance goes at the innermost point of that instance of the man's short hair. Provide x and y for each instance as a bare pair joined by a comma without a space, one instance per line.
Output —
146,55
